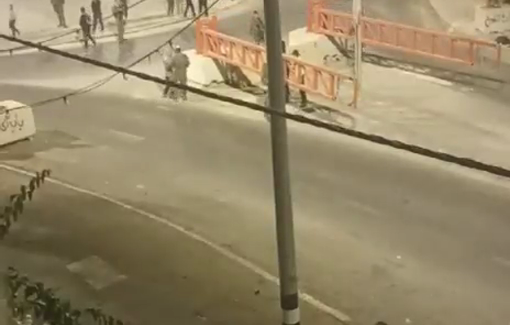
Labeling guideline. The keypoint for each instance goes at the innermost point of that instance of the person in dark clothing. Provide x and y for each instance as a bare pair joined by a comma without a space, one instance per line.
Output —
58,7
170,7
189,6
85,25
301,76
12,21
203,7
257,28
97,15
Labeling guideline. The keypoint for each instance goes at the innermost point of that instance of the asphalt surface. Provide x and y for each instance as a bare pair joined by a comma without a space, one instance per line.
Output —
381,234
96,253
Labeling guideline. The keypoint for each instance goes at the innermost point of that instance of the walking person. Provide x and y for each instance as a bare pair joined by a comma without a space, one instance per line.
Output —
179,66
118,14
12,21
58,7
203,7
257,28
97,15
301,79
170,7
190,6
85,25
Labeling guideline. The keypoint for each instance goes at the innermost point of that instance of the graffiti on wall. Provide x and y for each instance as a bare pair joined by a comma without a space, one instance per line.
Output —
10,122
503,17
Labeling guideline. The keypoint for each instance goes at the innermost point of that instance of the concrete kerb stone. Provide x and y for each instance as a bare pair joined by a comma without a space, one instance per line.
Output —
202,71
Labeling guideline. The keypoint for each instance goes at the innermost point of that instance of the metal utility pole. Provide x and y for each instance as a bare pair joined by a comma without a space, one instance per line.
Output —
289,299
357,12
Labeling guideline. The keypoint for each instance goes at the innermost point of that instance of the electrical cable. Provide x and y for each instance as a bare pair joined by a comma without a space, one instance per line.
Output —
72,31
99,83
437,155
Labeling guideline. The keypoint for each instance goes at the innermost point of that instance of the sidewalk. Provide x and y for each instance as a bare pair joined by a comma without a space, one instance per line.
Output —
37,21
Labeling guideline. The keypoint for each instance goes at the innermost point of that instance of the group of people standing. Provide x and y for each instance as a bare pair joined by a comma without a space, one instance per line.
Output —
89,25
175,6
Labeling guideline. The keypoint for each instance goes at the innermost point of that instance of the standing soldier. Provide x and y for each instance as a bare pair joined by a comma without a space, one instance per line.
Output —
170,7
203,7
58,7
179,66
118,14
189,6
257,28
301,79
12,21
85,25
125,8
97,15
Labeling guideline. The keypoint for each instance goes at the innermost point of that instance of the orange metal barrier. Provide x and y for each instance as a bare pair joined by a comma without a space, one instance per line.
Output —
311,78
380,33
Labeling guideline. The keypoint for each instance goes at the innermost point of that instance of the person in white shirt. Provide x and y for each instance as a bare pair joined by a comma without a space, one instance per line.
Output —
168,55
12,21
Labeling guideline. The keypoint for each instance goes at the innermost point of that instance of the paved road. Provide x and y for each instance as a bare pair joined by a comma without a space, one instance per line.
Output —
233,22
96,253
381,234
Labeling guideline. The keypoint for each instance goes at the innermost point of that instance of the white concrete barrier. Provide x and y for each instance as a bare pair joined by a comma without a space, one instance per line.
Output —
202,71
16,122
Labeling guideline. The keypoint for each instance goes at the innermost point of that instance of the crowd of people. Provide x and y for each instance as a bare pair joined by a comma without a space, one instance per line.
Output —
175,61
120,9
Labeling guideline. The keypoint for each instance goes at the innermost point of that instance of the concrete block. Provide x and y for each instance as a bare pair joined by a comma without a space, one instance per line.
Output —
492,20
203,71
16,122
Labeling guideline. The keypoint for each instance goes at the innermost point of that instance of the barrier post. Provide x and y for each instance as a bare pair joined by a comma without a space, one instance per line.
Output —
199,45
312,14
201,25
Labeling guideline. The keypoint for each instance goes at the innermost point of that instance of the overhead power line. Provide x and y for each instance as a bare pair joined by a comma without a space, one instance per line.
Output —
99,83
445,157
